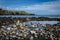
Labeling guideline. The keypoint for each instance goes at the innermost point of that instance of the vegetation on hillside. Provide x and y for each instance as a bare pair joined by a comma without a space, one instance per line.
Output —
12,12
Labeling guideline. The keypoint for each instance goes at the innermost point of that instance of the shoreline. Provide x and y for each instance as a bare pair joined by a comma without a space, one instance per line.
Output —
10,20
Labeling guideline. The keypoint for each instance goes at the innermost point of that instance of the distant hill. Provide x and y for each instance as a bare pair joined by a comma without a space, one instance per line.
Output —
12,12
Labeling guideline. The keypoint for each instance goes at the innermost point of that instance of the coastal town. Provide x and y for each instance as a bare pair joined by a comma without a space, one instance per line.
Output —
21,31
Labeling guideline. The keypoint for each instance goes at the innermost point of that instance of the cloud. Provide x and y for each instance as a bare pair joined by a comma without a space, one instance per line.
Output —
47,6
52,7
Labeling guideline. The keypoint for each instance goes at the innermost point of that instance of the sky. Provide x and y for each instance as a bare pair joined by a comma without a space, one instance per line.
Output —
38,7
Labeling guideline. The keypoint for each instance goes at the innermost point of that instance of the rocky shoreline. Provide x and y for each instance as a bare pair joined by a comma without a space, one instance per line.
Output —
9,20
21,31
